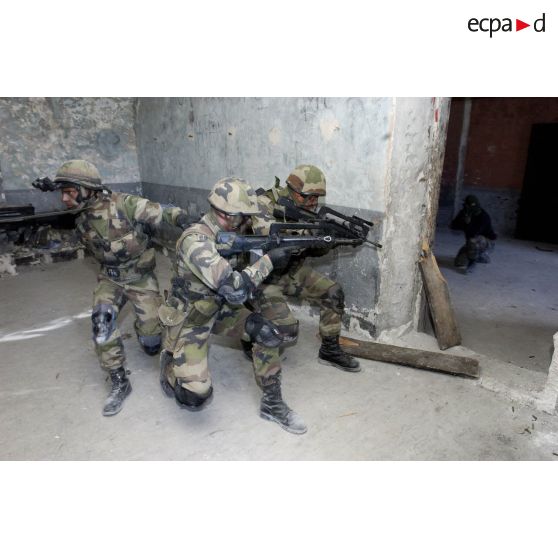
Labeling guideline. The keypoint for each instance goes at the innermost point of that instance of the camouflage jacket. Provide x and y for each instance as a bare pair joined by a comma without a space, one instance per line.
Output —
202,270
261,223
267,202
115,228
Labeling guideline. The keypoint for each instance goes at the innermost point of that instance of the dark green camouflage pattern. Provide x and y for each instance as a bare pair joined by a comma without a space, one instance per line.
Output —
144,297
189,320
301,282
113,228
233,196
308,179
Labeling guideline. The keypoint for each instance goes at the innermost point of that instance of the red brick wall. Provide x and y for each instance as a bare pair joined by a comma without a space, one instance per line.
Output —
499,135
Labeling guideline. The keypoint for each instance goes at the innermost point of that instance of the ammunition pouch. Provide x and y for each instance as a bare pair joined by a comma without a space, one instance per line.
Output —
185,307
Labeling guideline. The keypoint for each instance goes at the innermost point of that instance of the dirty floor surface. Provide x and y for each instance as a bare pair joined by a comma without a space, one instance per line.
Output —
52,390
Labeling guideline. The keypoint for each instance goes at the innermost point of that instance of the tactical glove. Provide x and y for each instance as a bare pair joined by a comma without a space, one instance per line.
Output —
236,288
280,257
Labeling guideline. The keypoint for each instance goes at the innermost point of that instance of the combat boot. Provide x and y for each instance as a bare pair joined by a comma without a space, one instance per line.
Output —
121,388
273,408
331,353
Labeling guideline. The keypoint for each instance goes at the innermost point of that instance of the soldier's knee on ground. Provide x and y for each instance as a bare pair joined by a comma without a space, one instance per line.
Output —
151,344
192,395
103,321
336,298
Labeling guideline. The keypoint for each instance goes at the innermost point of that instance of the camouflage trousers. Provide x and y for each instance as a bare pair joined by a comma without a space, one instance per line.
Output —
474,250
305,283
145,298
186,338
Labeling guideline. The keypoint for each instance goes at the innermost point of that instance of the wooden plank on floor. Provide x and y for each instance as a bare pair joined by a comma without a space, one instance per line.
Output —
439,303
417,358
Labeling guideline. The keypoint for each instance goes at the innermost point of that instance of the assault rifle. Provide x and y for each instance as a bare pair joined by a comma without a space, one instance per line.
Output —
330,222
230,243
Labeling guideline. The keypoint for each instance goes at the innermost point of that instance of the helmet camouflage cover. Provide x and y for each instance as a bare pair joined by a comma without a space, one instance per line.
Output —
79,172
234,196
307,179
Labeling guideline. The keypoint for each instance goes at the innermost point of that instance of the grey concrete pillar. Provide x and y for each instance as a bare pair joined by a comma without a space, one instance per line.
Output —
419,128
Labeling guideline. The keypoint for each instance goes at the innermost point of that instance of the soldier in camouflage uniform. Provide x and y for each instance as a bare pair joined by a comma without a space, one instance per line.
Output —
305,185
115,227
208,295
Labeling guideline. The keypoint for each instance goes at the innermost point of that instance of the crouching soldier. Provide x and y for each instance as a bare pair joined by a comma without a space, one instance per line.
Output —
208,295
115,228
480,237
304,186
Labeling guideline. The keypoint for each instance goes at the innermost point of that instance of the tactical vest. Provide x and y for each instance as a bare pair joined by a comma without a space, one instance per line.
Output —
200,301
118,244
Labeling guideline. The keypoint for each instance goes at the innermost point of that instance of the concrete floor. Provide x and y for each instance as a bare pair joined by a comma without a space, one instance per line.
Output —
52,389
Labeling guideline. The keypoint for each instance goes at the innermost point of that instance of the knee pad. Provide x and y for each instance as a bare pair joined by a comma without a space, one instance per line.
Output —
266,333
188,399
336,295
151,344
103,319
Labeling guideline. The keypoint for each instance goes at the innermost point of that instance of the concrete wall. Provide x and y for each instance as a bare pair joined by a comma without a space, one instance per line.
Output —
380,156
38,134
194,142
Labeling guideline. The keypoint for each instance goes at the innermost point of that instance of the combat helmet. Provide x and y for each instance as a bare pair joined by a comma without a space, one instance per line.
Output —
79,172
307,180
233,196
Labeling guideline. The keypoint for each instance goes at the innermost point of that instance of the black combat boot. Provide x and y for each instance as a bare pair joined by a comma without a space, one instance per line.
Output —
275,409
331,353
121,388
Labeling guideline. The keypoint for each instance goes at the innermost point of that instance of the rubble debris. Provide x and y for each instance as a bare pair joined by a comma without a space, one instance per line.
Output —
27,238
7,266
